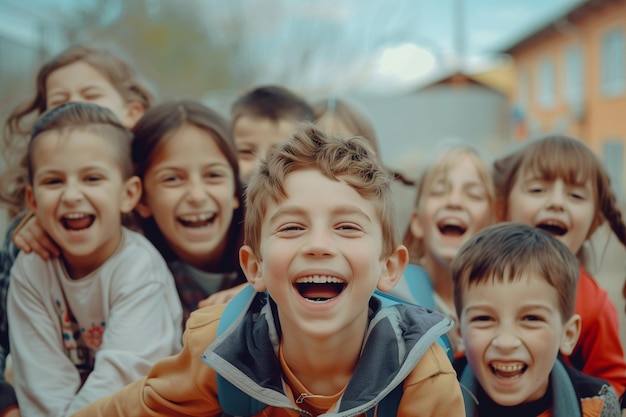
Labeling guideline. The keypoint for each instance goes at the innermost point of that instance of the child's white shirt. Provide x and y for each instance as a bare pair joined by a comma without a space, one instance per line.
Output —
109,326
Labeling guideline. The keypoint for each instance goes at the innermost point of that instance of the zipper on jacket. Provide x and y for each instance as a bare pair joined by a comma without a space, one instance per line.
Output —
301,398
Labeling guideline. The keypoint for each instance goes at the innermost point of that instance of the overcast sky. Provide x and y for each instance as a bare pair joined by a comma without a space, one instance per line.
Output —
336,45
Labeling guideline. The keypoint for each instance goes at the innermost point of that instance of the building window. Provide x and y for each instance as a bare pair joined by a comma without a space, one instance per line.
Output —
613,68
523,90
574,82
546,89
613,150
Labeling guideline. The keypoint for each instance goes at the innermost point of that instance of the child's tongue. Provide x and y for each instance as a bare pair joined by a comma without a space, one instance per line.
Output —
319,291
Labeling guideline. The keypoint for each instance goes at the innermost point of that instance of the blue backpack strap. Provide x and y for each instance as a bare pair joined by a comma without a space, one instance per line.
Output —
420,285
233,401
389,300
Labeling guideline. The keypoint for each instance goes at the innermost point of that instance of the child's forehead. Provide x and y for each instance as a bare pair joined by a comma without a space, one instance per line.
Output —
495,279
68,141
68,135
312,179
445,169
525,288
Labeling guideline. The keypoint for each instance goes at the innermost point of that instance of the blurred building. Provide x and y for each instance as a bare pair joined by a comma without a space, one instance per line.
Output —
453,106
570,78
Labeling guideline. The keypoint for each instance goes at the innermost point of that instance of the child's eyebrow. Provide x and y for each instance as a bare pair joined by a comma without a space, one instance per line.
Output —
337,211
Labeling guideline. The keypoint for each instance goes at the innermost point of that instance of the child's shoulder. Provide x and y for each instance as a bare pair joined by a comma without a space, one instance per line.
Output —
136,248
136,259
586,386
31,265
201,327
433,362
594,393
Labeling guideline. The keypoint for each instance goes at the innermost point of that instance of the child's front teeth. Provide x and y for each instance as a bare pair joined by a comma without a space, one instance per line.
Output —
73,216
319,279
196,217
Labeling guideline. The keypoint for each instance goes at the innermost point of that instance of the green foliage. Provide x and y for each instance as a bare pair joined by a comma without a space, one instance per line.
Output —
166,41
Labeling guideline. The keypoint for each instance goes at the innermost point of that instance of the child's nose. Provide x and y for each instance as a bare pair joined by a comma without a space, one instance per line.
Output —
196,190
556,200
318,243
71,193
455,197
506,339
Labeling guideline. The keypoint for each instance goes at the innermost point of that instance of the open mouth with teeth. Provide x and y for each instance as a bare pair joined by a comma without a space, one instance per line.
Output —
77,221
197,220
319,288
554,227
451,228
508,370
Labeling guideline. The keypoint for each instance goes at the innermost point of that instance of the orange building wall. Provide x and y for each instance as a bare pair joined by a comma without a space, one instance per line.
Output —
604,117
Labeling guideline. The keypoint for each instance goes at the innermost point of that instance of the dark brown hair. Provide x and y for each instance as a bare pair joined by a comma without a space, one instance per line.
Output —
155,127
89,117
509,251
272,102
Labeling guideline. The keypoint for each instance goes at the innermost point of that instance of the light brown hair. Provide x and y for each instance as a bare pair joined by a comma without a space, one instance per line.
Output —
350,160
120,73
562,157
440,163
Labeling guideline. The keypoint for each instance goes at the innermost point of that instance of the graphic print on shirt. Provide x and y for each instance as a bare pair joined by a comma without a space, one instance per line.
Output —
80,344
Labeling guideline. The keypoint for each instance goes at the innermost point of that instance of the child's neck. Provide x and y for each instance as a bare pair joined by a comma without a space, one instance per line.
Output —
78,267
324,367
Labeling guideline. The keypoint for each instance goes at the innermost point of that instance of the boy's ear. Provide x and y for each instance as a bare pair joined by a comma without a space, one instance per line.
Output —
131,194
251,267
393,268
134,112
30,198
571,332
415,226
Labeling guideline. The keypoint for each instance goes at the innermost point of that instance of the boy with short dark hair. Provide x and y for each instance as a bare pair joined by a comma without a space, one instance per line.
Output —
262,118
515,291
95,319
312,340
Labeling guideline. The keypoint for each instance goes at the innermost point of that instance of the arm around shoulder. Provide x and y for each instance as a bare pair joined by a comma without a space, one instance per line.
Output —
432,389
178,385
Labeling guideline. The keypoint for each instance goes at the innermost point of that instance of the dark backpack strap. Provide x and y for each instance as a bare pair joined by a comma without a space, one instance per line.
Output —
233,401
